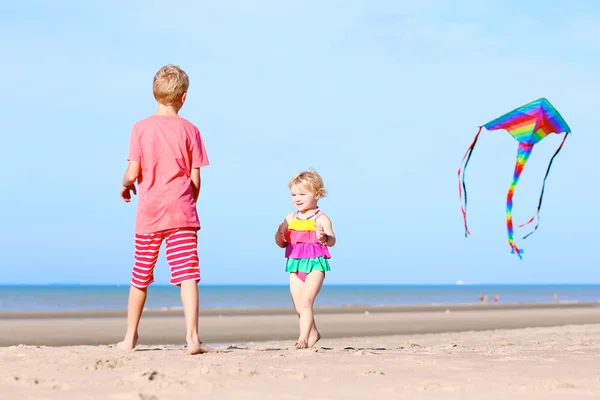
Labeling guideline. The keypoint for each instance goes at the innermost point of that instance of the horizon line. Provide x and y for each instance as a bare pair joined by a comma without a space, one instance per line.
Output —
330,284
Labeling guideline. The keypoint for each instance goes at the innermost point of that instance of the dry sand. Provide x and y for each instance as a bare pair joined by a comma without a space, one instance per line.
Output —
560,362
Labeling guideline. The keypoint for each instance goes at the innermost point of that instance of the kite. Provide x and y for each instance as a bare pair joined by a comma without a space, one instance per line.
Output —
528,124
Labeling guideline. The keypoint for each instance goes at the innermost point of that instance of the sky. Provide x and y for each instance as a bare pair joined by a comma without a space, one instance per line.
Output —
381,97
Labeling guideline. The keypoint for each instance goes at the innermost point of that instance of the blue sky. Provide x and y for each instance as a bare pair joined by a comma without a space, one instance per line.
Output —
381,97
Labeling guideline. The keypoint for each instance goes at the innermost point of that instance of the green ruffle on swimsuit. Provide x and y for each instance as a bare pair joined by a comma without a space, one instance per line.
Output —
307,265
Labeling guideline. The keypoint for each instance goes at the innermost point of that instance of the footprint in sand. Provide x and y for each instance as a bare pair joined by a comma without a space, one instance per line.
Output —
234,347
52,384
412,346
299,376
432,386
373,372
365,353
104,364
152,375
237,371
23,381
558,384
143,396
132,396
161,380
209,369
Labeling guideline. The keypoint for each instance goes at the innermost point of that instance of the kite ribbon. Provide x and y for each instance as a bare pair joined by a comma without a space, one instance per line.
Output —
462,188
537,217
523,154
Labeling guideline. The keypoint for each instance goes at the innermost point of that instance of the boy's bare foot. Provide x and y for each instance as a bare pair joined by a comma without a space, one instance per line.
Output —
128,344
195,346
313,339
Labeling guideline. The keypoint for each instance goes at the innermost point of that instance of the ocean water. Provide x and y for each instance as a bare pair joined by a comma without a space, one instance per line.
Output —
77,297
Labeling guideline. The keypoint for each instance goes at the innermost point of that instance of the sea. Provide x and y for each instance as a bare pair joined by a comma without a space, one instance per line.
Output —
114,297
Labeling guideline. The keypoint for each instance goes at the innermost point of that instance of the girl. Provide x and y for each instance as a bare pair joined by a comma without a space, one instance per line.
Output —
305,235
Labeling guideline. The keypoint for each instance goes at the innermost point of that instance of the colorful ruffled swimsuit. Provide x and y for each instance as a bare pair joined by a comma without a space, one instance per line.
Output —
304,252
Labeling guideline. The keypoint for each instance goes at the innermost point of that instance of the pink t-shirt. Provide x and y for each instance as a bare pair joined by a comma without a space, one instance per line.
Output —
167,148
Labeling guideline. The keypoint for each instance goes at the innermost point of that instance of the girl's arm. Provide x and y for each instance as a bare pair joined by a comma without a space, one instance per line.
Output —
279,241
325,231
279,235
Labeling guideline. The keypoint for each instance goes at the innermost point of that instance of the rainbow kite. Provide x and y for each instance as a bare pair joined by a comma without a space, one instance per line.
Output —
528,124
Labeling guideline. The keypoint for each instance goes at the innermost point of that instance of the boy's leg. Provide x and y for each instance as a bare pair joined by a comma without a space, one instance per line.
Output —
135,307
147,247
312,286
182,256
189,298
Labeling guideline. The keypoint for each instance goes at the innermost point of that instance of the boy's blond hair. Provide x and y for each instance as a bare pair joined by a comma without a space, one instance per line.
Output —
170,83
310,180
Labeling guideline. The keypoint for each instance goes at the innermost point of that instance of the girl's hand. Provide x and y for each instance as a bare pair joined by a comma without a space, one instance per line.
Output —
282,233
320,232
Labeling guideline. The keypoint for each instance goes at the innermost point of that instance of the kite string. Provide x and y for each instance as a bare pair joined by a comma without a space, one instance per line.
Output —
462,188
537,216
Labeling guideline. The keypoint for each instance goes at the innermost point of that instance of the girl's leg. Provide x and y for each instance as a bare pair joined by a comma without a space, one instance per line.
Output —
312,286
296,288
135,307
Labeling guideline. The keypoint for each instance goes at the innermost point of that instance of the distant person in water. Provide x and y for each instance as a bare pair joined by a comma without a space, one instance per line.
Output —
306,236
165,156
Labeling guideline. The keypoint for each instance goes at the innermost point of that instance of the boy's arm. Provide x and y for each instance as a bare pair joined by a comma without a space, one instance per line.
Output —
196,181
199,159
133,169
132,173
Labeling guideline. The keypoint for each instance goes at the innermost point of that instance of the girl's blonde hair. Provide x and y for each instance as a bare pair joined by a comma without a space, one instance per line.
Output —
310,180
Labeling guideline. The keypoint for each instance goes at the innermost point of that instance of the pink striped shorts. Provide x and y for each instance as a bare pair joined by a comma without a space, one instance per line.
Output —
182,256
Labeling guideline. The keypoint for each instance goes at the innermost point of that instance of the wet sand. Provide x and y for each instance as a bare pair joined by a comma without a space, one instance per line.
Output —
236,325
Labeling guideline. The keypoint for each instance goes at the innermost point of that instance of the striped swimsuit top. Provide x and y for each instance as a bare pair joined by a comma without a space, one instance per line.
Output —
302,238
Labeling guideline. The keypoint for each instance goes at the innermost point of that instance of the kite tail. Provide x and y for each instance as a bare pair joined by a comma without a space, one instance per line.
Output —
537,216
462,188
522,156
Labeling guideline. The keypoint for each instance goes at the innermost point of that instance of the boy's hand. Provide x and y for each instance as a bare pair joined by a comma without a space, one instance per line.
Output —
126,192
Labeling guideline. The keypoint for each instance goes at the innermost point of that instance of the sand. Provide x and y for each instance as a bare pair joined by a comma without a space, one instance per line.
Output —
361,356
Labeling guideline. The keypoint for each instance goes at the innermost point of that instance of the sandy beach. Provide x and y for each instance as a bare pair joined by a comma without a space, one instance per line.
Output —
460,352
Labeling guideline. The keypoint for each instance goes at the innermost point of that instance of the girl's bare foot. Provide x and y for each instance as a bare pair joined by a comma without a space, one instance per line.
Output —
128,343
302,344
195,346
313,339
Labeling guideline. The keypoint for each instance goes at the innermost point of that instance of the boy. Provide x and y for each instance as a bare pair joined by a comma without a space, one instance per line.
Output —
165,156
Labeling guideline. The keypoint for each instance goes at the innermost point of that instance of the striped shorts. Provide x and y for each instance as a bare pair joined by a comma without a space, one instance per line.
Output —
182,256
